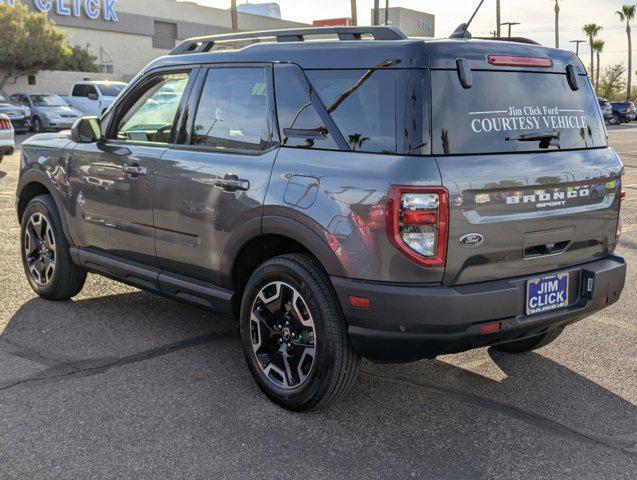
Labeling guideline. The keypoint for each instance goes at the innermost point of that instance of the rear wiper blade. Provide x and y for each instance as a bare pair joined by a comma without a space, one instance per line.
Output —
533,137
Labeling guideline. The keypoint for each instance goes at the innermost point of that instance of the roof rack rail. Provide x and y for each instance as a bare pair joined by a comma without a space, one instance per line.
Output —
510,39
205,44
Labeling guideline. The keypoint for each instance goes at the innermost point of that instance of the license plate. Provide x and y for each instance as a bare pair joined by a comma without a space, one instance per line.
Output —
547,293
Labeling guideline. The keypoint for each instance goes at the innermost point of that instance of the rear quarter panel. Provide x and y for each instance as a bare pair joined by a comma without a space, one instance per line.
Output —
341,198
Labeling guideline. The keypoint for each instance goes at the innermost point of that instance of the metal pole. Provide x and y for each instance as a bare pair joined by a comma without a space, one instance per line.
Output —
510,24
577,42
498,19
376,12
386,12
354,13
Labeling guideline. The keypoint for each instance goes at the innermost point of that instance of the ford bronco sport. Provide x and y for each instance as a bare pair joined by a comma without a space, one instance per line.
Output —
369,195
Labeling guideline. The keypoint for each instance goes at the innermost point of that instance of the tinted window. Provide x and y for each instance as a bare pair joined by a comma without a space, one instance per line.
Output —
79,91
233,110
296,112
362,104
152,116
502,107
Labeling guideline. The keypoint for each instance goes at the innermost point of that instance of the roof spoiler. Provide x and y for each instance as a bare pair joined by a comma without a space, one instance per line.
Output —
205,44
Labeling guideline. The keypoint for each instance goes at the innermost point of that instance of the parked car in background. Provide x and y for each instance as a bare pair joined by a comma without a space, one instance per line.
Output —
606,108
48,112
7,141
19,115
94,98
623,112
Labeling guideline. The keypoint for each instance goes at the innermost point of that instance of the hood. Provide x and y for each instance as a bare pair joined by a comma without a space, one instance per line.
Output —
59,110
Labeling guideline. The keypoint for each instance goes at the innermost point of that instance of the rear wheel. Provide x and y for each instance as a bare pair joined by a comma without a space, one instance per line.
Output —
529,344
45,252
294,335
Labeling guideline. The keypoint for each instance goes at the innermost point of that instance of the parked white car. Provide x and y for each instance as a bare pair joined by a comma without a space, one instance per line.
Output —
93,98
7,138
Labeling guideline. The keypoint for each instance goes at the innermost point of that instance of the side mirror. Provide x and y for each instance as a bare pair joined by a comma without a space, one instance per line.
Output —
93,96
86,130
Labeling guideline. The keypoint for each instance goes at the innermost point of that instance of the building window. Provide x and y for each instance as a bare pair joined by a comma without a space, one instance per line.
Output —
104,68
165,35
32,80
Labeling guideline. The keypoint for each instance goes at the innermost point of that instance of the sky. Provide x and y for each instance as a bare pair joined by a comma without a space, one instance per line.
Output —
536,18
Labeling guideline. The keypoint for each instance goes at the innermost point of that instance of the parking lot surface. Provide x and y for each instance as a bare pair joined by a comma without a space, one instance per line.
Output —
119,384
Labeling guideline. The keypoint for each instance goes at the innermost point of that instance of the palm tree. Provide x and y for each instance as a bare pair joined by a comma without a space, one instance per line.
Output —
557,23
498,19
233,14
626,14
354,13
591,29
598,47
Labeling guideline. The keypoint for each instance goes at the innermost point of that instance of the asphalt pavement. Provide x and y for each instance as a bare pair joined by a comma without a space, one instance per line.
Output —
120,384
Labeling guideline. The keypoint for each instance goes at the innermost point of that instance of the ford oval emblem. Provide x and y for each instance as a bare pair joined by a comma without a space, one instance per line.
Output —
472,239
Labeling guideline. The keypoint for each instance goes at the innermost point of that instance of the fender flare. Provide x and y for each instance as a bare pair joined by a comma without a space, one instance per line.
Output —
37,176
281,226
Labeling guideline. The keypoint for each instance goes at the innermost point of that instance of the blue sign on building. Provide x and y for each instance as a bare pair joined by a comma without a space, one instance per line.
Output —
92,9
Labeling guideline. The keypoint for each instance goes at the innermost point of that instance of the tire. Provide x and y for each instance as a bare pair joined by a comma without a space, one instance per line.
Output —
614,120
37,125
321,364
65,279
530,344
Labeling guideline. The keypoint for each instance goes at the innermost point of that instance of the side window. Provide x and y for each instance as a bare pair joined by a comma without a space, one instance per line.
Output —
79,91
296,112
417,131
233,111
152,115
362,103
90,90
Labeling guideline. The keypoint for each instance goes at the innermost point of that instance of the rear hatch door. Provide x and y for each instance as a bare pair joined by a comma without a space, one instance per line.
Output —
533,186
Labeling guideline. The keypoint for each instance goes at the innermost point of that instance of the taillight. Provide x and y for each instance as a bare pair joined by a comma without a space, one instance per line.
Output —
5,124
416,223
510,61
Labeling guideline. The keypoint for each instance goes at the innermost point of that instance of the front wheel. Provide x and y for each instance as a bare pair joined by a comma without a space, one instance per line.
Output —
530,344
37,125
614,120
45,252
294,334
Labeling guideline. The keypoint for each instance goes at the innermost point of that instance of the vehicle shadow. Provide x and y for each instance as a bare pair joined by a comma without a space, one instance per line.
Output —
423,401
2,174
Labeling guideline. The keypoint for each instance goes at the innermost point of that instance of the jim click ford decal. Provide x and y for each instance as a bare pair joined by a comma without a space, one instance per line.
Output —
527,118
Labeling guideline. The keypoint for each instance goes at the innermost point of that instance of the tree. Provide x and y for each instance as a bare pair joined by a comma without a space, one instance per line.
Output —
81,60
354,12
557,23
612,82
234,16
30,43
591,30
598,47
627,13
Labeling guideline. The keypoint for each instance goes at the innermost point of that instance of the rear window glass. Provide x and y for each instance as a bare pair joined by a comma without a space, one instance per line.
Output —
506,111
362,104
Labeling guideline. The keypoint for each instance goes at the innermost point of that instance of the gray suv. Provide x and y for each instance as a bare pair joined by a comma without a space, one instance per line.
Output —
369,195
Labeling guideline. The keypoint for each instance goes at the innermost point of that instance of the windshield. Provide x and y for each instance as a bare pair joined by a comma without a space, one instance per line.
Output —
48,101
111,89
513,112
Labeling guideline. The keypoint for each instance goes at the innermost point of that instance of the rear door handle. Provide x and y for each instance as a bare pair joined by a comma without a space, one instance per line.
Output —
135,169
230,183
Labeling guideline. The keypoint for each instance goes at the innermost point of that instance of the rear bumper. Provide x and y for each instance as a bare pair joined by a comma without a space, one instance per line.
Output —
21,124
6,147
407,323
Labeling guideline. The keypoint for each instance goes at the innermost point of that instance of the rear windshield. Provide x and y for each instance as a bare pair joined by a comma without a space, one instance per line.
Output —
508,111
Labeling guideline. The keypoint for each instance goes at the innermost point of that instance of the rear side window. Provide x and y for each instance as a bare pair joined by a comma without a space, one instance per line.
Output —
506,111
362,103
233,110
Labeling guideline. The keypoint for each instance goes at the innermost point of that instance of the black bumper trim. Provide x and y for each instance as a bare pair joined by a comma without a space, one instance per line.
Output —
407,323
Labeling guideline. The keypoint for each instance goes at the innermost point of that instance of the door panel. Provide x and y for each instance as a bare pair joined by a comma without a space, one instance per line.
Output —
195,215
113,209
216,182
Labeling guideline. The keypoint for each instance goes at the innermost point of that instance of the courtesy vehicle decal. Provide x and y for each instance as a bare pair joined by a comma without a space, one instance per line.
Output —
530,117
